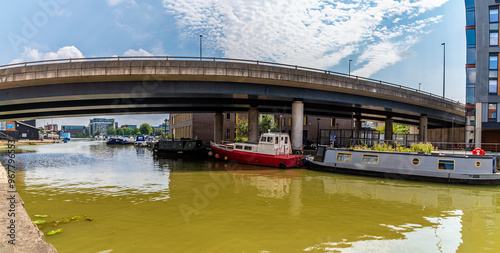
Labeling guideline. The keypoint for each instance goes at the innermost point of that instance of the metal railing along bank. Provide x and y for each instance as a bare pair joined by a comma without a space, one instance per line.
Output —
214,59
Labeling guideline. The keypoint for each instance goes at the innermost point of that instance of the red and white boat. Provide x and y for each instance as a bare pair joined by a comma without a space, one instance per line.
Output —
273,150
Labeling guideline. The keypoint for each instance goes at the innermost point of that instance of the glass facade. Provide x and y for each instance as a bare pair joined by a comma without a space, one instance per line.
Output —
493,26
492,112
470,17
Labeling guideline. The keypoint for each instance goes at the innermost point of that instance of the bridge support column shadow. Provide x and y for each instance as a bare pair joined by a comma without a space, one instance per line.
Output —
423,129
218,127
297,125
253,125
388,130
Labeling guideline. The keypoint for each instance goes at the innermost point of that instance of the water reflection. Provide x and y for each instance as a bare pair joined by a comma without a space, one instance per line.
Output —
205,206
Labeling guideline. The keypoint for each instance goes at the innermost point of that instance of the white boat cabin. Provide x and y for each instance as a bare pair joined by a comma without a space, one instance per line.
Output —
269,144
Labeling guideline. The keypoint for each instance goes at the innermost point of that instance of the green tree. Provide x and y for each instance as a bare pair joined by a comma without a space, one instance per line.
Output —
126,131
242,128
135,131
266,122
396,129
146,129
111,131
97,133
159,132
41,130
119,131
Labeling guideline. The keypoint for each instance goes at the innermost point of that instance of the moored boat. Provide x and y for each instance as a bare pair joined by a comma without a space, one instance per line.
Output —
140,141
184,147
119,141
272,150
447,168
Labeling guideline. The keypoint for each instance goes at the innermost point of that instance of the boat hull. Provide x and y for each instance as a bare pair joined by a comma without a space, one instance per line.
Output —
409,166
277,161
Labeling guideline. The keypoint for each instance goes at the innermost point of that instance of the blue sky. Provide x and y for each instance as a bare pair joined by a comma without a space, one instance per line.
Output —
397,41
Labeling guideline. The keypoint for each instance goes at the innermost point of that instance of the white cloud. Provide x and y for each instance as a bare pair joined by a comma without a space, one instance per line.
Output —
317,33
31,54
140,52
117,2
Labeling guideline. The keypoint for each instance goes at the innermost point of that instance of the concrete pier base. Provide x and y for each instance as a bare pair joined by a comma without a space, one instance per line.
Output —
388,130
297,125
253,125
218,127
27,236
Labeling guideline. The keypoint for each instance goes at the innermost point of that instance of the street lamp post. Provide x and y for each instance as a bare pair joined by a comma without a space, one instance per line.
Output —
350,68
317,135
419,86
444,66
452,133
201,36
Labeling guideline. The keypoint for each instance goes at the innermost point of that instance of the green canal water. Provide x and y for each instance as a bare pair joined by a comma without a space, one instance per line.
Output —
140,203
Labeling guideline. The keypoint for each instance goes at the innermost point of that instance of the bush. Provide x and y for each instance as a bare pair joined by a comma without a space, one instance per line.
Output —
240,139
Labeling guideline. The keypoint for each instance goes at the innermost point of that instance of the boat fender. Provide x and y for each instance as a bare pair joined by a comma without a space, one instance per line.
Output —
210,153
217,156
225,158
282,165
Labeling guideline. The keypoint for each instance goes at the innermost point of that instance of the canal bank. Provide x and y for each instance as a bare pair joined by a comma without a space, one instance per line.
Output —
17,232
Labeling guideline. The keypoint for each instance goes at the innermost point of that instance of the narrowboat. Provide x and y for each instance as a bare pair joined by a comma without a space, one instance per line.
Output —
119,141
185,147
272,150
447,168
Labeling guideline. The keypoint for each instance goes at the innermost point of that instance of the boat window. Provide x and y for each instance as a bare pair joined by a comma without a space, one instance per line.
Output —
248,148
263,139
286,140
370,159
415,161
478,164
446,164
344,157
270,139
276,140
239,147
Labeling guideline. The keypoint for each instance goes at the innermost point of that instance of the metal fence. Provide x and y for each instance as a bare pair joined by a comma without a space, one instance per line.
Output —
350,137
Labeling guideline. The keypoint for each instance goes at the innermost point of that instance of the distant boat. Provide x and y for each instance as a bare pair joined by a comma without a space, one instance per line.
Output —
272,150
140,141
119,141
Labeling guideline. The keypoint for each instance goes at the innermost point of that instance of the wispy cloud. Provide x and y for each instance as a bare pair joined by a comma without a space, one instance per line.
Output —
31,54
117,2
140,52
318,33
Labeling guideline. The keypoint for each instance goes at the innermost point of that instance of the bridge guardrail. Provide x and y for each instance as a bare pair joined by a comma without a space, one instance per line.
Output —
216,59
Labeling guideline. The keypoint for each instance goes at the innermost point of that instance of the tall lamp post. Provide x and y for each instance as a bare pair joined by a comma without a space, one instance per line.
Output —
419,86
201,36
350,68
444,66
317,135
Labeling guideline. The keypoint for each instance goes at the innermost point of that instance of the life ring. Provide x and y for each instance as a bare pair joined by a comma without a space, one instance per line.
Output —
282,165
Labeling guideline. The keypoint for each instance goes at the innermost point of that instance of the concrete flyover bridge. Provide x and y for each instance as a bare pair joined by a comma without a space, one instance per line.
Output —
130,85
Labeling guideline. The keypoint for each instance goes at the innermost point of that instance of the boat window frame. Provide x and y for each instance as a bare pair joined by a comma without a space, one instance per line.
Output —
276,140
477,164
363,159
248,148
344,153
238,146
417,159
270,139
263,139
441,160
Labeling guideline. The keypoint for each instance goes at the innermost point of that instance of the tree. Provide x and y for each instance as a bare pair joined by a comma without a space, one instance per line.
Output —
396,129
159,132
111,131
41,130
146,129
97,133
126,131
119,131
266,122
135,131
242,127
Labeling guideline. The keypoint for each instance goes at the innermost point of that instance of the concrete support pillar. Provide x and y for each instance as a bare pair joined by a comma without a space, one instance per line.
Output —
218,127
357,124
478,131
357,131
253,125
388,129
422,134
297,125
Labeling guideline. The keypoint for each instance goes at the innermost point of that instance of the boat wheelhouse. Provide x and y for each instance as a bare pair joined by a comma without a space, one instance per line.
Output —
465,169
273,150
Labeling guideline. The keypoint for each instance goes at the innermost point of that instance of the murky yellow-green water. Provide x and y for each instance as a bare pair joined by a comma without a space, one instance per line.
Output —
142,204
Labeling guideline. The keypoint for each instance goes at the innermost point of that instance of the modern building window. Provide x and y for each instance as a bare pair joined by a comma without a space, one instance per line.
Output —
228,134
289,121
493,61
305,120
494,15
493,38
469,4
470,94
492,112
471,55
470,17
471,37
471,75
472,122
228,117
492,86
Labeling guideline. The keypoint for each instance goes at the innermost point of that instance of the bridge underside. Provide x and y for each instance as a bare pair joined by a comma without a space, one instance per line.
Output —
101,98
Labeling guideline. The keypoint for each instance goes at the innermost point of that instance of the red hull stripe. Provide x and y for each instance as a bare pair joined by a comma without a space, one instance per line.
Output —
260,159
